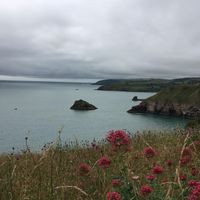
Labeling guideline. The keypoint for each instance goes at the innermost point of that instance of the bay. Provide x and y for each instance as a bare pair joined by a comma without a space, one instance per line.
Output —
38,110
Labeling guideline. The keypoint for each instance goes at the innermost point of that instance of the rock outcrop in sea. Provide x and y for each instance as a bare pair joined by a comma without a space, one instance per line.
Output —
135,98
166,109
82,105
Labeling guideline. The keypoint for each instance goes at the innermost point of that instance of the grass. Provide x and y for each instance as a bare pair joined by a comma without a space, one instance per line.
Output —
143,85
181,94
54,173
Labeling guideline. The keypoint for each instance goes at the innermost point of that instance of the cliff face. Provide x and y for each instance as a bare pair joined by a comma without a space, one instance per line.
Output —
176,101
166,109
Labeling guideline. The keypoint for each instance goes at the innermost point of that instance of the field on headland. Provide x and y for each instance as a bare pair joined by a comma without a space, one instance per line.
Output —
149,165
143,85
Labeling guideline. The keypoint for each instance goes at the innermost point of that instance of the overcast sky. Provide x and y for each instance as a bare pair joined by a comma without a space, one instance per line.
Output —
99,38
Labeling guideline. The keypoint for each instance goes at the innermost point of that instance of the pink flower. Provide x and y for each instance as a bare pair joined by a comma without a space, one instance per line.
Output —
113,196
183,177
104,162
195,193
146,190
84,168
116,182
118,138
193,183
150,177
149,152
158,170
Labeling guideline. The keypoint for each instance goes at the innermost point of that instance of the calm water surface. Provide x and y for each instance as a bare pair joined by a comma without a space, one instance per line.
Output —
43,108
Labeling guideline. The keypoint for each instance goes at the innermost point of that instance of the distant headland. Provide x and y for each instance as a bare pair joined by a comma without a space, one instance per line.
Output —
143,85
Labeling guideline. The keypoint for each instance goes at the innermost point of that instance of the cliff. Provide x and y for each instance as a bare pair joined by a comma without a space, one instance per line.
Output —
181,100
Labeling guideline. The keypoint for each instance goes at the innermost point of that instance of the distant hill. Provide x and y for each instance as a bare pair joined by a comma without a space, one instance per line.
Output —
143,85
178,100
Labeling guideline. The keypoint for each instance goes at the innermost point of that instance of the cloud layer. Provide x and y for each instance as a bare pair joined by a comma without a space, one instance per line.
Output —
100,38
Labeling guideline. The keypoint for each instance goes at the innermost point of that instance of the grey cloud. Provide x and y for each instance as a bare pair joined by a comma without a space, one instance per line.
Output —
100,38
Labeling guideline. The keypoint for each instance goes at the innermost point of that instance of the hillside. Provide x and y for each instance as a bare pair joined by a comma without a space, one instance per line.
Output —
143,85
179,100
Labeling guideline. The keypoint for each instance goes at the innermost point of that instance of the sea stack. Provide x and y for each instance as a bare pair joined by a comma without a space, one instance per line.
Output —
82,105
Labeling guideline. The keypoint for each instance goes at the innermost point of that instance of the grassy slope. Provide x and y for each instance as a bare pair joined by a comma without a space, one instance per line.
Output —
139,85
143,85
183,94
36,176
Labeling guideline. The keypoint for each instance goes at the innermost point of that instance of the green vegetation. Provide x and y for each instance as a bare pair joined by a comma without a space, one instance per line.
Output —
181,94
153,166
143,85
178,100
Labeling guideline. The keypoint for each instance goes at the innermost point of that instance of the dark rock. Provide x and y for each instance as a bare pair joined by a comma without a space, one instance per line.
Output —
82,105
141,108
135,98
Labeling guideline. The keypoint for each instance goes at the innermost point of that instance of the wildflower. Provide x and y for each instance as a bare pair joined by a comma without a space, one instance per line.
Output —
116,182
193,183
84,168
195,193
118,138
169,163
158,170
183,177
104,162
113,196
150,177
146,190
149,152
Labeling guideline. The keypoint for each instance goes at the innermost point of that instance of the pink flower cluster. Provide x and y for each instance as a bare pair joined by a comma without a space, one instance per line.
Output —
195,193
118,138
104,162
158,170
84,169
149,152
113,196
146,190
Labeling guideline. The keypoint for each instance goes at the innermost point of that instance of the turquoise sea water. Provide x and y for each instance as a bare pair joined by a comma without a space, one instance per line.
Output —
43,108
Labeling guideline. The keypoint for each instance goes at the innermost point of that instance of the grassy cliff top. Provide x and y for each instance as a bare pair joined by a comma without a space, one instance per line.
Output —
143,85
183,94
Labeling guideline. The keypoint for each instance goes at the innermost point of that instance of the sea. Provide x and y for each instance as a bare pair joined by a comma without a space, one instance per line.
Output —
40,112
